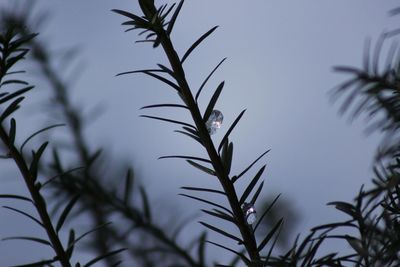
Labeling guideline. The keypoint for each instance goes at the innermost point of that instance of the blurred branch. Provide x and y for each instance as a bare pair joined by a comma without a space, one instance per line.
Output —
374,90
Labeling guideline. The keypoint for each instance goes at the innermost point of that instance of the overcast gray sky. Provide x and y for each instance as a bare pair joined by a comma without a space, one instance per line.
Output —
279,67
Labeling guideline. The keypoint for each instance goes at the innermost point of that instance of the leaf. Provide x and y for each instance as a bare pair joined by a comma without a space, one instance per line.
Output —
61,174
230,130
274,243
344,207
185,157
25,214
164,105
15,72
128,186
71,241
269,235
195,44
201,167
38,132
163,15
140,71
226,157
88,232
203,190
242,256
12,131
102,257
303,245
195,137
15,197
251,185
168,120
94,157
213,101
220,216
33,239
191,130
22,40
207,78
164,80
38,263
12,60
351,70
145,202
116,264
129,22
207,202
202,248
254,199
13,81
171,22
251,165
11,108
65,212
356,244
394,11
223,213
33,168
222,232
129,15
158,77
166,70
334,225
145,41
236,259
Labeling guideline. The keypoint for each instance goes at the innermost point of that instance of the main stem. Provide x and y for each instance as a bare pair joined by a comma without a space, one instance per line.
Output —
38,200
74,121
247,235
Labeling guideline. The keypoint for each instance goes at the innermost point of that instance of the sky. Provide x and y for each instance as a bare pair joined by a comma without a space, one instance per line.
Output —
280,63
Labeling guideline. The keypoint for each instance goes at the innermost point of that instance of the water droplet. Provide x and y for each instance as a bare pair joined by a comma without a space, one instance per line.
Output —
214,121
249,213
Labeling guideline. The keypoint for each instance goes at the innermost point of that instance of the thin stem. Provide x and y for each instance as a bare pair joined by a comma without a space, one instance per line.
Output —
130,213
74,120
154,231
37,198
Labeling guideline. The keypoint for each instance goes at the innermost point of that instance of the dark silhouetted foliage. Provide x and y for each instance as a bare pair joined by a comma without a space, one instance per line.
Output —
79,189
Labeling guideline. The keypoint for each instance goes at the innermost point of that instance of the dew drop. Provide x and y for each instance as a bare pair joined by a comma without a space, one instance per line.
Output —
214,121
249,213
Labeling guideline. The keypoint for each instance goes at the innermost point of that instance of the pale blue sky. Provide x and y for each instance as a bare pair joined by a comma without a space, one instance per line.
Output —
279,67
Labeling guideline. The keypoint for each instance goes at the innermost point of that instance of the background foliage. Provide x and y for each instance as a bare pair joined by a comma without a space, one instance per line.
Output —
81,187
